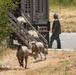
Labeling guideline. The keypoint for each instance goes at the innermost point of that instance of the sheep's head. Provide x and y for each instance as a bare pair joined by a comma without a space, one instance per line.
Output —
32,44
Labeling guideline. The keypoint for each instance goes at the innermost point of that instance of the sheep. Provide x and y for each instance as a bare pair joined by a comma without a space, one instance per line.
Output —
33,33
38,48
21,20
22,53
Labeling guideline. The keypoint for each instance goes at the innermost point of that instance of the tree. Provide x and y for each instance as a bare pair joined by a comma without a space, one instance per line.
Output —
5,27
70,0
60,1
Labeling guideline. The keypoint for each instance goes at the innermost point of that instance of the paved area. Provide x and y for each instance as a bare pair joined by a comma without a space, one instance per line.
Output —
68,41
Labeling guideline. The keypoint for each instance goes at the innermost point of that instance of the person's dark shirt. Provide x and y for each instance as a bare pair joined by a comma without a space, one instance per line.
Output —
56,28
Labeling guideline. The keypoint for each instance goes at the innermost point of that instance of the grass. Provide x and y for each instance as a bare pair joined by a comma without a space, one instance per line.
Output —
67,18
64,3
65,68
3,51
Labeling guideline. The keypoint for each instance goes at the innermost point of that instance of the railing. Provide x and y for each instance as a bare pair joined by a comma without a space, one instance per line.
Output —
20,30
41,38
23,33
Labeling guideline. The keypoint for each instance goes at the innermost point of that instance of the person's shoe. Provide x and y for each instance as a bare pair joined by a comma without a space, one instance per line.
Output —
49,46
59,48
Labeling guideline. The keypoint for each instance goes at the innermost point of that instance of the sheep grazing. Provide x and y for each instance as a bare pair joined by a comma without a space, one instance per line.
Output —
22,53
38,48
33,33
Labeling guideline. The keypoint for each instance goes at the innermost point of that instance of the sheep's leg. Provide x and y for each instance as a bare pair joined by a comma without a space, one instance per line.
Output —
26,58
41,55
45,56
19,61
32,51
22,61
36,55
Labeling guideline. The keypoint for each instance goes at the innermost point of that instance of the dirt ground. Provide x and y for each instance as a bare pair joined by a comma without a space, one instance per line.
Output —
9,64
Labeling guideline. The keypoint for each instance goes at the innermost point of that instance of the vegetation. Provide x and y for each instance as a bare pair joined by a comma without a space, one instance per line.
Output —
67,14
65,68
5,27
63,3
5,5
67,18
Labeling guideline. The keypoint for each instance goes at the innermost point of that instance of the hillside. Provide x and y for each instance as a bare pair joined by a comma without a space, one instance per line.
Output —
67,18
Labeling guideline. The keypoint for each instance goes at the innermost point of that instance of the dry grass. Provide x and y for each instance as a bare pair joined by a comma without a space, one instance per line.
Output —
60,69
67,18
64,65
4,52
57,63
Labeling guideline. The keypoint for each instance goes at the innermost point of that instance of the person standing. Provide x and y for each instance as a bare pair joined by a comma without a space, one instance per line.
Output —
56,31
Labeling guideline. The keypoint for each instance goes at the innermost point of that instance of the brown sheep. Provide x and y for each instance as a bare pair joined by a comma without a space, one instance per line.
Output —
22,53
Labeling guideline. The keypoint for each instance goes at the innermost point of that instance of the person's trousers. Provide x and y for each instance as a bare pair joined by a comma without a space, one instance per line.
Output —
57,38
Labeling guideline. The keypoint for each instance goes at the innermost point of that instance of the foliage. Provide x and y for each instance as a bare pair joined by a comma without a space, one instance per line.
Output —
5,5
5,27
62,3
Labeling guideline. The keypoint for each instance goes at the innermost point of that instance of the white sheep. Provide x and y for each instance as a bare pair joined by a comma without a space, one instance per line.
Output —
38,48
21,20
22,53
33,33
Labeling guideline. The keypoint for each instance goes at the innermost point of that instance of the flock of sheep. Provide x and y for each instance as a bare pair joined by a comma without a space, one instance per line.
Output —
35,47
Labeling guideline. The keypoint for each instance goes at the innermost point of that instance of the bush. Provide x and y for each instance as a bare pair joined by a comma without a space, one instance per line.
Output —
5,26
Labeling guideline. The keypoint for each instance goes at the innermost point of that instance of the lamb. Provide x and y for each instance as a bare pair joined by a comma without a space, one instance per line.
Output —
21,20
38,48
33,33
22,53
